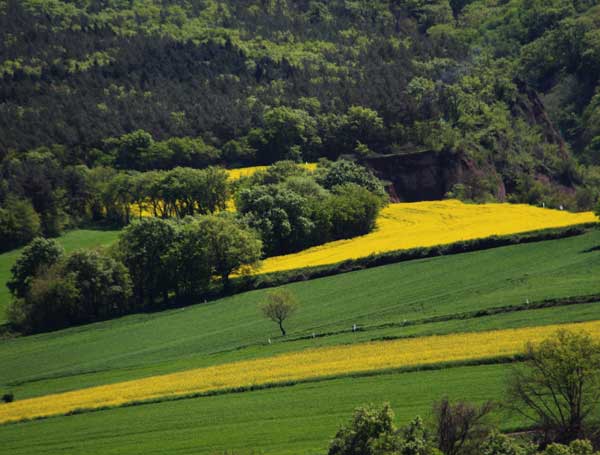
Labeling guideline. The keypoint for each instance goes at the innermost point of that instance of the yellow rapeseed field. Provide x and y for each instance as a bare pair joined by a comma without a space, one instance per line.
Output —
409,225
311,363
236,174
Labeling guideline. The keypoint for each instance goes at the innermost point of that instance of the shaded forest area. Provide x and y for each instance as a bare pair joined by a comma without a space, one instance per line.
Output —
507,87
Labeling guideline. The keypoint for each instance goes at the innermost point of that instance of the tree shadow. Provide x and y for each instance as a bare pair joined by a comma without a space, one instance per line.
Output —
592,249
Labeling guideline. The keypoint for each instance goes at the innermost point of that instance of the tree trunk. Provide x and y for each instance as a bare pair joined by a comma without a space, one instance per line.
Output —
281,328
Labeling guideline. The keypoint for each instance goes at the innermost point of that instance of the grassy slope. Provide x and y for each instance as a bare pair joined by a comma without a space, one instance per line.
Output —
146,344
292,420
70,241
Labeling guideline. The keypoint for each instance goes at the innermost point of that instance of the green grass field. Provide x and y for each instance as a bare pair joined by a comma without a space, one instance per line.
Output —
296,419
70,241
142,345
292,420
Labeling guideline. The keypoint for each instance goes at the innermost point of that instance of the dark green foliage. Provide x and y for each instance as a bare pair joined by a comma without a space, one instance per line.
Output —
291,211
181,256
19,223
139,150
103,283
372,432
59,195
558,388
176,193
354,211
152,85
188,262
342,171
8,398
85,286
51,303
282,216
287,133
231,247
142,247
35,257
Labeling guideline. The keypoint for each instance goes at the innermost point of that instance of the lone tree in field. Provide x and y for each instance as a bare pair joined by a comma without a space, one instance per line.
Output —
280,305
558,388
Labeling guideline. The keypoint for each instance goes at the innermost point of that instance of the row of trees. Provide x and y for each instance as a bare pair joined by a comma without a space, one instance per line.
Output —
282,133
156,261
557,390
179,245
177,193
41,196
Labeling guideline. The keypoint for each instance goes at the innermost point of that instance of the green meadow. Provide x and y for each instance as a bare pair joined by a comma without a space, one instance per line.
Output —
232,328
293,420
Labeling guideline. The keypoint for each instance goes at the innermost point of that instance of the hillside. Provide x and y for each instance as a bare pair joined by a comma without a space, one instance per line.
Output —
400,227
453,289
255,82
300,227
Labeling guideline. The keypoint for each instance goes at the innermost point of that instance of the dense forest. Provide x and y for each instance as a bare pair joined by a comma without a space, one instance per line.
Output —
91,90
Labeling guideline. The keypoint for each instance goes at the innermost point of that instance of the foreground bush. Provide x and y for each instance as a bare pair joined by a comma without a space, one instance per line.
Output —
371,431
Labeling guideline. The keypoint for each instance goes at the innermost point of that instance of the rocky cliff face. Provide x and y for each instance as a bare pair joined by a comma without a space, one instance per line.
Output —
423,176
428,175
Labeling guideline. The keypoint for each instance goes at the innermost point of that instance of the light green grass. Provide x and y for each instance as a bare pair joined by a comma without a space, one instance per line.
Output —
72,240
142,345
292,420
572,313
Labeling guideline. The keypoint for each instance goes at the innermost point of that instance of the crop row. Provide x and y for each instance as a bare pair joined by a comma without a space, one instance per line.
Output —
294,367
404,226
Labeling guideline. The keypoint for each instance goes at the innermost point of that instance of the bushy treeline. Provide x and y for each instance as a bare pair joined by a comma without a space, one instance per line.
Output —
293,209
182,239
150,85
156,262
290,207
372,431
41,195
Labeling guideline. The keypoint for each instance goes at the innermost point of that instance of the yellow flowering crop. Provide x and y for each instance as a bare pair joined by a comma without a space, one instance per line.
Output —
236,174
409,225
311,363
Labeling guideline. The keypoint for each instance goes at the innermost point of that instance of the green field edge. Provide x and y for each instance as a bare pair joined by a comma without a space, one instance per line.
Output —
532,306
248,283
273,279
488,360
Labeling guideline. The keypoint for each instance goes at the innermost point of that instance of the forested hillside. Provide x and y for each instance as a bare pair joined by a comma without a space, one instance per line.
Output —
258,81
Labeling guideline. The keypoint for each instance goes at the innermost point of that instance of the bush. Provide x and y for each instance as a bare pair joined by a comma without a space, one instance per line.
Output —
8,397
19,223
39,254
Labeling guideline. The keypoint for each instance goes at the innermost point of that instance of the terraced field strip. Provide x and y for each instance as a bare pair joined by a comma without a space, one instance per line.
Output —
300,366
404,226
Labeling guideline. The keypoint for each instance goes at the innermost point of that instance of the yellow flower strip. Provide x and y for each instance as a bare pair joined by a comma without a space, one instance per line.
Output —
296,366
421,224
